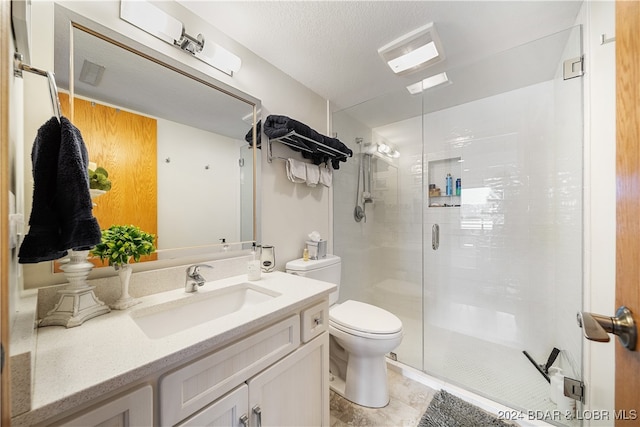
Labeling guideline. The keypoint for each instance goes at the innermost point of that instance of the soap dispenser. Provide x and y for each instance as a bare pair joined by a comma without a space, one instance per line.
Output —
253,267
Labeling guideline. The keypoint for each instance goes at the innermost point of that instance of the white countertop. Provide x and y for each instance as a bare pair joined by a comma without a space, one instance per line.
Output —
79,364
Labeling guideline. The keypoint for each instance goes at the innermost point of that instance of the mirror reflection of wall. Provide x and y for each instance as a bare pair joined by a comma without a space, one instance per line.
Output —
198,194
129,157
198,122
201,142
199,186
164,177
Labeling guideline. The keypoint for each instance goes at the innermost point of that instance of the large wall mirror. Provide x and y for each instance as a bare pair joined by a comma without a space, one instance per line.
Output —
177,144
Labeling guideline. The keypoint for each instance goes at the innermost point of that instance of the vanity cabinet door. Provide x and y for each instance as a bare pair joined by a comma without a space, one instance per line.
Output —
294,391
194,386
132,409
228,411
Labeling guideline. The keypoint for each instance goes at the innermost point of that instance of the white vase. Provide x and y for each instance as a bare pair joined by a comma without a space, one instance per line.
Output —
125,301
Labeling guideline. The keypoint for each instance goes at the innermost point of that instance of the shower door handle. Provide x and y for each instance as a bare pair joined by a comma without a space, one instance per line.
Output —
597,327
435,237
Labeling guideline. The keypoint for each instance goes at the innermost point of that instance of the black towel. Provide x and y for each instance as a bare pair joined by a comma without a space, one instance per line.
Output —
278,126
249,136
61,215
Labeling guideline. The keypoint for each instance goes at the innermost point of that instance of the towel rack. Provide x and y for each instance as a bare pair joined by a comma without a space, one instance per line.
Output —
19,67
287,139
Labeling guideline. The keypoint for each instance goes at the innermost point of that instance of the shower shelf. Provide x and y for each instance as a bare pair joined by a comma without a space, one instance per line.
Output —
444,201
290,140
438,168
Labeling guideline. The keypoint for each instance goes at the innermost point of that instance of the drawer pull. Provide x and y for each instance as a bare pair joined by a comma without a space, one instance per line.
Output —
244,420
258,412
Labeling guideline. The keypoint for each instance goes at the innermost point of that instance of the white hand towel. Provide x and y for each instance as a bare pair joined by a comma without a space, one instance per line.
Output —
296,171
326,176
313,175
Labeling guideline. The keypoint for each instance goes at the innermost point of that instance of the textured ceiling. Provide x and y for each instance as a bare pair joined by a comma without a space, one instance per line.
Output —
137,84
331,46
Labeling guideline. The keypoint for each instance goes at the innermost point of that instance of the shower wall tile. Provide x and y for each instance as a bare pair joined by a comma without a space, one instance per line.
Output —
509,257
509,250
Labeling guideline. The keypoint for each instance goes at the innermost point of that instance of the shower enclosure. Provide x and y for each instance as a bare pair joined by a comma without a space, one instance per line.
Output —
486,277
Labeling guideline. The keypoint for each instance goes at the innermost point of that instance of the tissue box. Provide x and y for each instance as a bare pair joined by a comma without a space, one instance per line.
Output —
317,250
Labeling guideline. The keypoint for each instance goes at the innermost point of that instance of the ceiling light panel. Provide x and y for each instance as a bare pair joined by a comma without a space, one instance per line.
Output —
428,83
414,51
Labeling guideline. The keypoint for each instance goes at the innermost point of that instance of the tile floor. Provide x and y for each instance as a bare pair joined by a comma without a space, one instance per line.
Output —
409,400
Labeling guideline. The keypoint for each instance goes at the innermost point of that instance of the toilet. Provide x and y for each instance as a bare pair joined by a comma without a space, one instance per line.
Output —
360,336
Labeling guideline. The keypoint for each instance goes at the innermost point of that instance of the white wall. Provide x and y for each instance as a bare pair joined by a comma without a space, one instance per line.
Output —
288,212
16,166
37,109
599,217
202,176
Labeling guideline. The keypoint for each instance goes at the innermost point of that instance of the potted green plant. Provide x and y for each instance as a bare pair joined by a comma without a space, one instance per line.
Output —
118,246
99,179
99,182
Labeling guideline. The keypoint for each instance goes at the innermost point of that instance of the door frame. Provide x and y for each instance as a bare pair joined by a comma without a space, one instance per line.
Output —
627,377
5,67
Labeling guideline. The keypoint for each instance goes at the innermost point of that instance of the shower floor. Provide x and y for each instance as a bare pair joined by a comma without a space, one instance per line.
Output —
495,371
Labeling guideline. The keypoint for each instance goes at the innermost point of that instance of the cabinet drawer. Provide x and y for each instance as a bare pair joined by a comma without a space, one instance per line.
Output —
314,321
132,409
192,387
226,411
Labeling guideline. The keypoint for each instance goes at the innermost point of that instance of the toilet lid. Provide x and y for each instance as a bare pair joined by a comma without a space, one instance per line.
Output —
359,316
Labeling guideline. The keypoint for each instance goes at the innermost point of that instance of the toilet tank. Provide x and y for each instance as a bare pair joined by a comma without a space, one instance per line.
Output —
326,269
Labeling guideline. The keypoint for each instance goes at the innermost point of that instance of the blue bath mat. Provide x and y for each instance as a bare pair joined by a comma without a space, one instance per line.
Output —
447,410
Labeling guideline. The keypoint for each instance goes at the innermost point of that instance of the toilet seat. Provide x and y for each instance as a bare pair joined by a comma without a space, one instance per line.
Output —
365,320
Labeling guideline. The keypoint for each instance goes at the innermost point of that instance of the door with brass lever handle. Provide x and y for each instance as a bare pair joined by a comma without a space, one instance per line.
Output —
597,327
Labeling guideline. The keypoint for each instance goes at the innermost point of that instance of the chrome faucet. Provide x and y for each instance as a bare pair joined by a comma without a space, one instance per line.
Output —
194,279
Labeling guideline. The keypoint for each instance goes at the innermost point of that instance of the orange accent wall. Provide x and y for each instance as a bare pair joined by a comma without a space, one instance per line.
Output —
125,144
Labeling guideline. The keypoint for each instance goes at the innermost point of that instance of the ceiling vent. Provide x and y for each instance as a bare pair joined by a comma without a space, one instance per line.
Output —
413,51
91,73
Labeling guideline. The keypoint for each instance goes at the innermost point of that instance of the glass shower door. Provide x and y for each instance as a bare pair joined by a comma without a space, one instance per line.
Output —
502,260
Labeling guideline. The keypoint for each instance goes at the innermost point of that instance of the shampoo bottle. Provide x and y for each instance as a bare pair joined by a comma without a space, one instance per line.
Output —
253,267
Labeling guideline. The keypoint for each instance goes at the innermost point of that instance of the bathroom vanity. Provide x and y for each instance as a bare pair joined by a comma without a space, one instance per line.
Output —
263,360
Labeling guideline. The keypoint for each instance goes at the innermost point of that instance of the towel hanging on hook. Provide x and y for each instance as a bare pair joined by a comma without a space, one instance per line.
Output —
19,67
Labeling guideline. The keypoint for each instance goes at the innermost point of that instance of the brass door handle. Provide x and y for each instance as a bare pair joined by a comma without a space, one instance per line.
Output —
597,327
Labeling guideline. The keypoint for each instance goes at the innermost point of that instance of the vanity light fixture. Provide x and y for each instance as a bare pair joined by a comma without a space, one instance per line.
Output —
413,51
428,83
165,27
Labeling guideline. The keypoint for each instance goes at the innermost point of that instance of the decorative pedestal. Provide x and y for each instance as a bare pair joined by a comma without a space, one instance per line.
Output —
77,302
125,301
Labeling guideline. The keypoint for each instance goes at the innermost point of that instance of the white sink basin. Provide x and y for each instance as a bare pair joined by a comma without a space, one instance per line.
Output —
194,309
